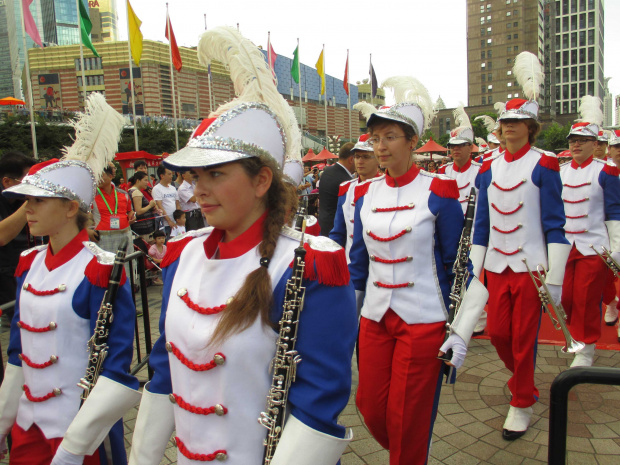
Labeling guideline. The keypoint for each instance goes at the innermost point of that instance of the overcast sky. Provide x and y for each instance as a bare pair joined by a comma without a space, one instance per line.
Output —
421,38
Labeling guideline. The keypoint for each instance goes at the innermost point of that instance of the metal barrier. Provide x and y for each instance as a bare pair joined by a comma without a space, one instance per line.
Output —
558,413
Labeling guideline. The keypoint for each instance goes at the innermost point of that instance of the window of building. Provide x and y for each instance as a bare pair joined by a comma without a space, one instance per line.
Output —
489,30
591,55
509,49
508,13
515,13
488,19
564,40
565,75
489,41
483,77
582,5
483,89
565,107
490,99
590,37
482,55
481,31
508,25
582,38
558,92
515,36
484,102
558,107
490,87
516,48
573,39
558,75
573,73
508,61
565,58
516,95
573,22
483,43
508,37
573,106
489,54
509,73
582,73
582,21
565,91
509,84
509,96
590,71
490,77
590,19
482,20
582,88
564,24
483,65
488,6
573,91
582,55
490,65
565,7
515,24
481,8
590,4
573,56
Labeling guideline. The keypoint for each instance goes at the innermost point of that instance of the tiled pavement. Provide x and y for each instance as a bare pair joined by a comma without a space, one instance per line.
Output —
471,413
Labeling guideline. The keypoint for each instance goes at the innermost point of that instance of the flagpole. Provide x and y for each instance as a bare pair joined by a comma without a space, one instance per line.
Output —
209,77
174,99
132,90
324,74
33,131
370,80
77,5
349,98
301,106
269,50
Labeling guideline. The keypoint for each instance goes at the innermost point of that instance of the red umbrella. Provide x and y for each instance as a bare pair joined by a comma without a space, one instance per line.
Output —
324,155
431,147
319,166
310,156
11,101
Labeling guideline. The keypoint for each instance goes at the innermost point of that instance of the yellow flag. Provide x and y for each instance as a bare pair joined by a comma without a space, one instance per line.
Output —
135,35
320,69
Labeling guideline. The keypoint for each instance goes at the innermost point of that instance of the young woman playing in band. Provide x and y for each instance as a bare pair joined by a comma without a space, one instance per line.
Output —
224,290
60,289
405,240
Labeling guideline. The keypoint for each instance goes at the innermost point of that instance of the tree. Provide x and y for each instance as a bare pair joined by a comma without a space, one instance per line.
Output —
478,126
553,138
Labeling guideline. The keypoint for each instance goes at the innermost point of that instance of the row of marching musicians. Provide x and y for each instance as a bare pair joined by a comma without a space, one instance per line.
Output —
534,219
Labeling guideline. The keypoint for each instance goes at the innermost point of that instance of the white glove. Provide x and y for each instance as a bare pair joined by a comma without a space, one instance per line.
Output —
459,350
63,457
556,292
3,448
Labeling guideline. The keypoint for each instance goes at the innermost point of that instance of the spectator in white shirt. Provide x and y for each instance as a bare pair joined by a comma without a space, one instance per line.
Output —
195,220
166,197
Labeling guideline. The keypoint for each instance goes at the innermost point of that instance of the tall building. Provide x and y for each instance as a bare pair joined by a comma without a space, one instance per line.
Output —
617,110
105,20
608,113
497,31
576,45
60,22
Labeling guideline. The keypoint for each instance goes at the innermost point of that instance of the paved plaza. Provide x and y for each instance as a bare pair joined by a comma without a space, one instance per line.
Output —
472,412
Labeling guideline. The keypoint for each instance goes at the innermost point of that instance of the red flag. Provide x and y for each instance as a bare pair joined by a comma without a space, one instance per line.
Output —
345,82
271,56
174,50
29,25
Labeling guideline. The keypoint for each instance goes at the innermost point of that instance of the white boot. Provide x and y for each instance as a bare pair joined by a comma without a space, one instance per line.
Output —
585,357
517,422
611,314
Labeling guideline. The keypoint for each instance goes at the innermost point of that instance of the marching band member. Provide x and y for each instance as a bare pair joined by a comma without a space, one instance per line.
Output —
495,144
405,239
591,198
614,155
600,145
224,289
60,289
520,216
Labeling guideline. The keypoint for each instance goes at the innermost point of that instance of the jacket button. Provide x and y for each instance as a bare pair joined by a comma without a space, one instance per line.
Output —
181,292
52,325
172,398
219,359
62,288
168,347
409,259
374,209
25,286
57,391
408,229
221,456
376,283
409,284
219,410
372,258
53,358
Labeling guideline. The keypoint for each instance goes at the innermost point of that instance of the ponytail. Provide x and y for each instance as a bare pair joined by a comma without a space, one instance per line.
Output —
255,298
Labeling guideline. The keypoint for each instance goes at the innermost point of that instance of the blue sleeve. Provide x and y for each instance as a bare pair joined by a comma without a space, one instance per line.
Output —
158,360
338,233
15,338
448,228
358,268
552,213
482,224
611,194
325,342
86,303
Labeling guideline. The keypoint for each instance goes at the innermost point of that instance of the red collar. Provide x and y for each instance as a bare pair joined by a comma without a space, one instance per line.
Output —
238,246
404,179
509,157
55,260
464,168
574,165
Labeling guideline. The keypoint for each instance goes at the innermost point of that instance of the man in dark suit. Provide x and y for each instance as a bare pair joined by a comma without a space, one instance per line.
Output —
329,184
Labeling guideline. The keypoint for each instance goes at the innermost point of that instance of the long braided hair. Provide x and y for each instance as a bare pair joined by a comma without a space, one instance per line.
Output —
255,297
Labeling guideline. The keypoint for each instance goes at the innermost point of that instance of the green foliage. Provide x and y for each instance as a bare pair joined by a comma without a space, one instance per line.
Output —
553,138
478,126
153,137
443,140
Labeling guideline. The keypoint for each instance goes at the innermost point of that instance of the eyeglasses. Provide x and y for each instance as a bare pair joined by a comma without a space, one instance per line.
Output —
579,141
363,157
386,140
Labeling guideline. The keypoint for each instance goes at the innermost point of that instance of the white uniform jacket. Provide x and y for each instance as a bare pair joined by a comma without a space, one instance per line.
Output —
465,179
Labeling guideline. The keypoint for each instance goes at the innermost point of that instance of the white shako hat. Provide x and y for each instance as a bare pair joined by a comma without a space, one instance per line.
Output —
491,126
413,105
76,175
591,118
529,74
363,145
463,133
257,123
603,136
614,137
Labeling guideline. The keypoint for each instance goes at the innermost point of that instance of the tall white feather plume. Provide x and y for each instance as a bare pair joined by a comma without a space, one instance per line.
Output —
500,107
365,108
590,110
460,117
408,89
97,132
529,73
480,141
251,76
489,123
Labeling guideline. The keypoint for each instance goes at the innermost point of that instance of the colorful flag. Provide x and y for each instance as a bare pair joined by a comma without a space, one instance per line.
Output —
135,35
295,67
320,70
86,26
271,55
174,50
373,82
29,25
345,82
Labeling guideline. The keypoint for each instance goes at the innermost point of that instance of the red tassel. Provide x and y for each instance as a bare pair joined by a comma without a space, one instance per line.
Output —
173,251
486,166
445,188
361,190
550,162
98,274
329,268
611,170
25,262
344,188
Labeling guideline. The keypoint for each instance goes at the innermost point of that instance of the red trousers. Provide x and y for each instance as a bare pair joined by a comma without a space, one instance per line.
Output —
582,295
609,292
513,320
33,448
399,384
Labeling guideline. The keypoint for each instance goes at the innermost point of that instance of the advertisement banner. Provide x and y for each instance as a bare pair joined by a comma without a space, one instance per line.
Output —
127,93
49,92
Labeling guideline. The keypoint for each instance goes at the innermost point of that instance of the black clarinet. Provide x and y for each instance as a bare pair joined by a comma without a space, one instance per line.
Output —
301,213
461,273
98,343
284,364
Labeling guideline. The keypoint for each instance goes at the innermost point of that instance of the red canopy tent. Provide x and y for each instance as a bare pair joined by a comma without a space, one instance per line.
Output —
431,147
310,156
325,155
127,159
